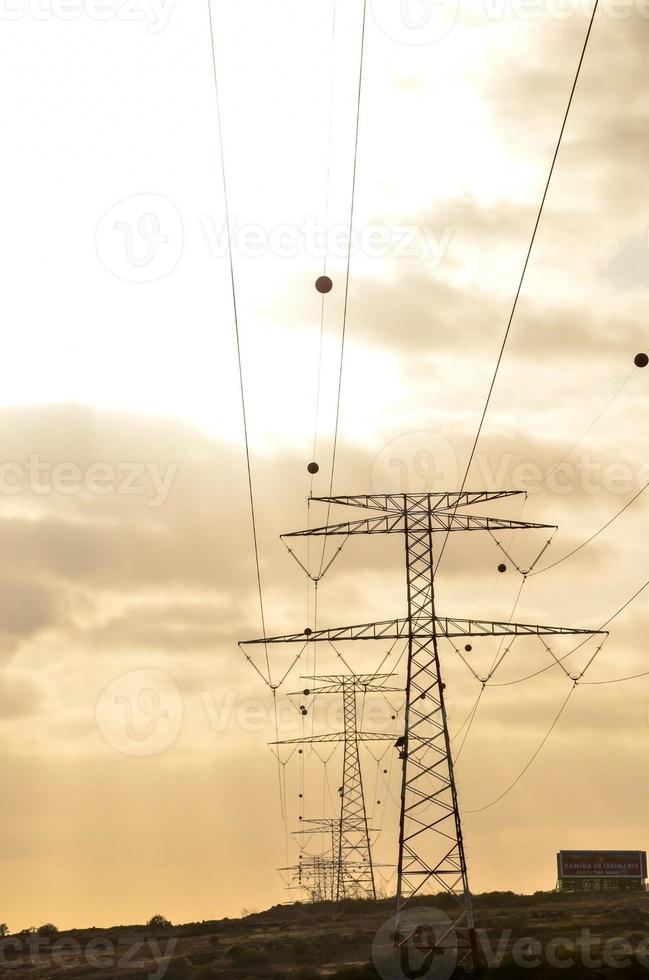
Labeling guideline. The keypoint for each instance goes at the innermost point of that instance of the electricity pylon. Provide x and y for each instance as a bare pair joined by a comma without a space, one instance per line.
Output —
315,876
355,871
318,874
431,844
324,867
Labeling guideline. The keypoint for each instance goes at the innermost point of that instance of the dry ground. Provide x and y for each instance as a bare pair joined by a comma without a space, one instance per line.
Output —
304,942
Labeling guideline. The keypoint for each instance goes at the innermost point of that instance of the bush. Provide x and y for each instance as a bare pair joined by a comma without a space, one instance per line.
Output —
158,922
247,956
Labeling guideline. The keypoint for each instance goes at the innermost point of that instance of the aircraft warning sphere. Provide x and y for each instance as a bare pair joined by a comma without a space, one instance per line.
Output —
324,284
468,648
313,468
502,568
641,360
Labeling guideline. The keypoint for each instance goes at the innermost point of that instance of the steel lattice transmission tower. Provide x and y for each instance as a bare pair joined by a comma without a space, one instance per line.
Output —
431,844
315,876
352,850
325,865
318,874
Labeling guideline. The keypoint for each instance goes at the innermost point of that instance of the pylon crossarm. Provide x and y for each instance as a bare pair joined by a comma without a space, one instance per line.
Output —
393,629
425,501
336,737
396,524
328,862
361,689
360,679
313,831
396,629
447,628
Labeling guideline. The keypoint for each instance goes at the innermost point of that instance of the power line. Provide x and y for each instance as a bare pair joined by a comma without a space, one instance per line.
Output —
500,656
616,680
576,682
235,308
327,197
326,214
532,242
543,670
531,761
604,527
352,207
560,660
592,425
619,680
527,261
349,251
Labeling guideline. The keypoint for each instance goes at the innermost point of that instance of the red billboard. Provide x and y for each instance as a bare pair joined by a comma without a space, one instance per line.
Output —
602,864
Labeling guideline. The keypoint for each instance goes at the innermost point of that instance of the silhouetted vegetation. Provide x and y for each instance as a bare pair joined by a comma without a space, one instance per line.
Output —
158,922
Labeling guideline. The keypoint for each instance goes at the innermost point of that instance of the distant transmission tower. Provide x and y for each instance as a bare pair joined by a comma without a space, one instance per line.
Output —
315,876
354,869
431,846
318,874
325,865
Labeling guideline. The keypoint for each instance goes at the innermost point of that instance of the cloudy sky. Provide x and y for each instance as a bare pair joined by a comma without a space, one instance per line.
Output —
136,776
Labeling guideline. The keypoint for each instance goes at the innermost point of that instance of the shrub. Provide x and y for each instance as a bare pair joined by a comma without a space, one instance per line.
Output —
158,922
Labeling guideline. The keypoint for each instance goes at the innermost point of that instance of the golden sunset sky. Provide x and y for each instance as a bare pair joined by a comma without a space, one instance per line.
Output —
136,776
